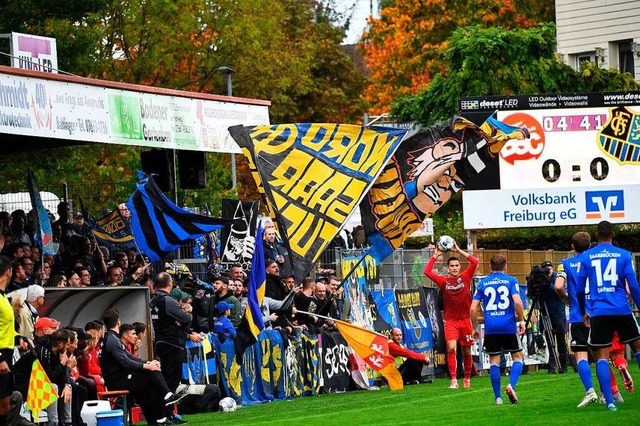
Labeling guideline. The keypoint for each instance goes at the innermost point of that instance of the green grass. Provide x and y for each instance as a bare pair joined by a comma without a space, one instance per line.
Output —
544,399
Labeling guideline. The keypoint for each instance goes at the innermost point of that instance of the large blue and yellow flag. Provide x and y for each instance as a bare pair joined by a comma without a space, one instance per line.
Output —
257,287
313,176
159,226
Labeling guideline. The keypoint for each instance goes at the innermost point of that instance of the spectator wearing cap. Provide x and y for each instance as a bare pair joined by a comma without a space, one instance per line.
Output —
556,309
171,323
80,227
222,325
43,328
221,293
28,314
74,280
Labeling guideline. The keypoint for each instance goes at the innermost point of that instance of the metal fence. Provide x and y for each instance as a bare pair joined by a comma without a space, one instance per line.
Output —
404,268
96,197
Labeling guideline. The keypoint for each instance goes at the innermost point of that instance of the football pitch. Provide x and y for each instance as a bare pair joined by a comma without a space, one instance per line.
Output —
544,399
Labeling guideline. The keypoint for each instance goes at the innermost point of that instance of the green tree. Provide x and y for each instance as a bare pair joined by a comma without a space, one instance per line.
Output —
405,47
285,51
497,61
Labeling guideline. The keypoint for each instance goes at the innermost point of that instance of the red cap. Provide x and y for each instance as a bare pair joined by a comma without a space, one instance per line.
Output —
45,322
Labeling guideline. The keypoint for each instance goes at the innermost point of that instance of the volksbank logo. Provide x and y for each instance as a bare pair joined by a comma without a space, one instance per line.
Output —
604,204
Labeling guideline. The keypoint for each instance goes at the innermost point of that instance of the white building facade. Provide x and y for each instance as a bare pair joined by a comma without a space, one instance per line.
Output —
602,31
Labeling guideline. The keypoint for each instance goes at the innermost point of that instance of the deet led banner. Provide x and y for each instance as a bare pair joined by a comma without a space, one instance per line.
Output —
581,164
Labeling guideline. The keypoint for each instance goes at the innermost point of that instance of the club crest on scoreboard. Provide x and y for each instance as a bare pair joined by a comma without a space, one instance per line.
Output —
620,137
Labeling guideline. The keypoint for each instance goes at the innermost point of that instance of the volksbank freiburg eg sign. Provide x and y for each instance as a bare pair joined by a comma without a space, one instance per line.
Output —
558,207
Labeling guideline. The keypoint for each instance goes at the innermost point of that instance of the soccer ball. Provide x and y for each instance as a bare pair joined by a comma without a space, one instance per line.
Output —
227,405
445,243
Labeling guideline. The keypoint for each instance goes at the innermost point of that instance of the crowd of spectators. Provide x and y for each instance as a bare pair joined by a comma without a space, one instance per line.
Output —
104,354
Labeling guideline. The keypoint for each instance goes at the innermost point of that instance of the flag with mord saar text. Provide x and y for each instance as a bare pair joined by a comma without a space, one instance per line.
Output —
159,226
428,168
313,176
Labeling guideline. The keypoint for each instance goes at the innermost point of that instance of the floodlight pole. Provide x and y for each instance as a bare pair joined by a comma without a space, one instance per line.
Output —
228,71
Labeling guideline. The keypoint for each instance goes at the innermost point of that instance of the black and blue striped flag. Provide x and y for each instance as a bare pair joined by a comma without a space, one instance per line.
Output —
159,226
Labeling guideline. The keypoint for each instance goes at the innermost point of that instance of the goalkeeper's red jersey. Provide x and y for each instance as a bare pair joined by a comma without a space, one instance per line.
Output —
455,290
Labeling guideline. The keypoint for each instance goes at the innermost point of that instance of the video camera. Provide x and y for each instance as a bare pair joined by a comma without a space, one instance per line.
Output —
538,281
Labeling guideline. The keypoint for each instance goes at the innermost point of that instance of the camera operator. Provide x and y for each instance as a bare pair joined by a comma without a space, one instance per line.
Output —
557,315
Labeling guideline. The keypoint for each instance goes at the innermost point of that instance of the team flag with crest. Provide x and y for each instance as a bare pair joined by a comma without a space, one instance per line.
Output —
111,228
41,392
428,168
45,234
159,226
373,348
313,176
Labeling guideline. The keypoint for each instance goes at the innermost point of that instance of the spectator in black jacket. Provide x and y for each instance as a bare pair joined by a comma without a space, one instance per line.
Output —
171,322
52,354
123,371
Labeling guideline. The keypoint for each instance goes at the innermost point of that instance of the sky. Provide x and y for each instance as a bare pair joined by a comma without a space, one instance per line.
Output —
359,20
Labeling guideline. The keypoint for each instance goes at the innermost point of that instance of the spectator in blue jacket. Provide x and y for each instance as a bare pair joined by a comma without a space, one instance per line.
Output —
222,326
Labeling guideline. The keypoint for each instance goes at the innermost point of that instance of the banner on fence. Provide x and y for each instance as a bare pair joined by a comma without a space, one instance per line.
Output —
356,288
238,240
414,320
334,352
439,358
387,310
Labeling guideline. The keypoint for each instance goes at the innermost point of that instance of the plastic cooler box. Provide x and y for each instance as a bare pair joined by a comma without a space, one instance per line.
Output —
90,408
110,418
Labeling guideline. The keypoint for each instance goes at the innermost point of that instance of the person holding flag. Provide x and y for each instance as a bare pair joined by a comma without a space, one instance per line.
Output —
252,322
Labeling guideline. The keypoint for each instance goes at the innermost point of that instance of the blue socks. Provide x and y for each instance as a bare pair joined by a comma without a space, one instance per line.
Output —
604,377
637,355
585,374
516,371
494,373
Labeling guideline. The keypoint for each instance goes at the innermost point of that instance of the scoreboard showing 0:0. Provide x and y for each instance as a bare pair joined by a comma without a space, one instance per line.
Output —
566,149
573,123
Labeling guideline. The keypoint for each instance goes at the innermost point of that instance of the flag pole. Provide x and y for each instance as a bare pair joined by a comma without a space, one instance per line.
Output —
340,321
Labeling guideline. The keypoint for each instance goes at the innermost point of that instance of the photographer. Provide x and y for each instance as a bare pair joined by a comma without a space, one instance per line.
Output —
541,289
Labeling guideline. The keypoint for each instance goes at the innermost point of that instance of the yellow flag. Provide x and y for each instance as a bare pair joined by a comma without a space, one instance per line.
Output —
41,391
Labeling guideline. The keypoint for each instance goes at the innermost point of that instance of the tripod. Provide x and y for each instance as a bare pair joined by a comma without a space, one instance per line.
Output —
545,323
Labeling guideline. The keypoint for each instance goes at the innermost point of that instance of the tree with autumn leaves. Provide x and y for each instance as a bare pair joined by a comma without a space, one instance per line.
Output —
285,51
495,61
405,48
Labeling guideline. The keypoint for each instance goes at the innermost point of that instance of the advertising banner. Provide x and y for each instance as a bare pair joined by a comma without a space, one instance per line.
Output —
581,164
81,112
